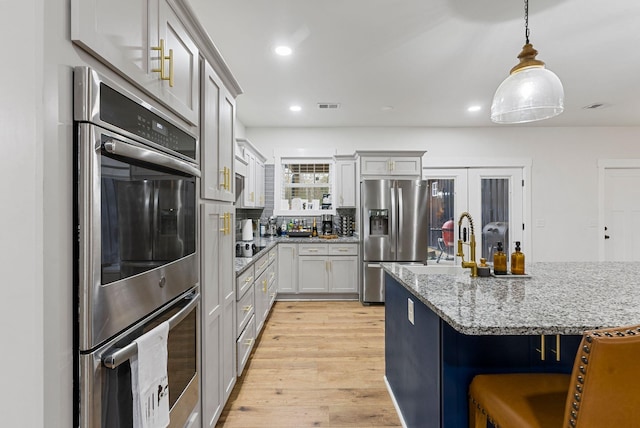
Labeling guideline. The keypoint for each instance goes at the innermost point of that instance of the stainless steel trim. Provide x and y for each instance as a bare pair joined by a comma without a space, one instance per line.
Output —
114,359
134,152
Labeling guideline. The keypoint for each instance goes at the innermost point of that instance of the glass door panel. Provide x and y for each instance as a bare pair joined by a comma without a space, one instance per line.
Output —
447,199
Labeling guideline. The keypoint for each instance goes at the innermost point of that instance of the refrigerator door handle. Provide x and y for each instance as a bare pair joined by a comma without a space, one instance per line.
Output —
400,218
393,234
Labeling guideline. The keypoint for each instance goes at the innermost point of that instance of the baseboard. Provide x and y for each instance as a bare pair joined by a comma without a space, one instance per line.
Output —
395,403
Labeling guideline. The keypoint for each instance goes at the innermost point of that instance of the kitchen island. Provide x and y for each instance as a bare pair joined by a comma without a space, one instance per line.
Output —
443,328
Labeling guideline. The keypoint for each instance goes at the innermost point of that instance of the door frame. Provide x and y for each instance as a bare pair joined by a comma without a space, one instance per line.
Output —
603,165
432,164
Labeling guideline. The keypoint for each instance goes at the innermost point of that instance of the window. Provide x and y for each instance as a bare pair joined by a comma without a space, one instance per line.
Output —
305,187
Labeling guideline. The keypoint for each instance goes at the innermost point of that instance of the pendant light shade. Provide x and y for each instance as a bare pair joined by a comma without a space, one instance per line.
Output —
530,92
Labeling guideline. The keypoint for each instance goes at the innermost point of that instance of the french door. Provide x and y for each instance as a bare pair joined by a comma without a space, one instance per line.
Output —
494,197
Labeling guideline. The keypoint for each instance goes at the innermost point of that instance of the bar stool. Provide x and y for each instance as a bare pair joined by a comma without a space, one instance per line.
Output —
602,391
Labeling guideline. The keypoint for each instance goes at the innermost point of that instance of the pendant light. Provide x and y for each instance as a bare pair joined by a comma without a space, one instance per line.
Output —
530,92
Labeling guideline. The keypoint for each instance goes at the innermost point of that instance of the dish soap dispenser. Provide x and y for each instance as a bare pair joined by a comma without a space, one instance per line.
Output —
499,261
517,261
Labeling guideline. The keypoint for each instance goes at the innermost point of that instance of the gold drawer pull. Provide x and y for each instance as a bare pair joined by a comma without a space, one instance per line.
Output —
247,308
248,342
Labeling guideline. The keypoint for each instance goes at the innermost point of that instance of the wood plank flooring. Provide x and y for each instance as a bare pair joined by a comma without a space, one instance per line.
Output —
316,364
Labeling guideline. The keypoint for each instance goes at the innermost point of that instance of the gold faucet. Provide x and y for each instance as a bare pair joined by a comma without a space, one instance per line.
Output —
472,245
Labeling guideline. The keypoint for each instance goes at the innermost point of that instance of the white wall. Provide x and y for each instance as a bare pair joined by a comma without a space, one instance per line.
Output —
21,251
564,173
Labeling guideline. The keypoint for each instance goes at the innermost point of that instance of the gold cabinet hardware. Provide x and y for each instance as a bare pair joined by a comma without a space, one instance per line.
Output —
557,350
247,308
223,171
252,197
248,342
264,286
223,219
542,348
228,178
248,280
163,58
229,223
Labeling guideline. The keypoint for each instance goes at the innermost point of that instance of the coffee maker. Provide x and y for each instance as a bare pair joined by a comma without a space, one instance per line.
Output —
327,224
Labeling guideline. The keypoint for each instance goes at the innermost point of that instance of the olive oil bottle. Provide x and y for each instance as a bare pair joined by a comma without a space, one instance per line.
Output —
499,261
517,261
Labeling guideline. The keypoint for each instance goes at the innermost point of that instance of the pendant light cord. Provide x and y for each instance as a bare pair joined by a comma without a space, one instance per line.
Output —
526,21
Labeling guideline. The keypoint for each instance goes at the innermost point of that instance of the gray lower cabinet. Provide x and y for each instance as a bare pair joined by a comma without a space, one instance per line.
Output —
318,269
256,291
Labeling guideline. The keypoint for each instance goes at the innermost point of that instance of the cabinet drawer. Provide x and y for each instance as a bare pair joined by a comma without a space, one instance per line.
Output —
261,264
244,310
245,344
313,249
244,282
343,249
273,254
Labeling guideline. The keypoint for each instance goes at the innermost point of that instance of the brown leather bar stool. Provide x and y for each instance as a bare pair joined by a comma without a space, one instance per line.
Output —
602,391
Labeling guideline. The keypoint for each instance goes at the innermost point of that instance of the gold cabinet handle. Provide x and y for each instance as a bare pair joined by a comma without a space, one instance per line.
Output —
228,223
229,179
248,342
542,349
248,280
163,58
223,218
247,308
223,171
264,285
252,197
557,350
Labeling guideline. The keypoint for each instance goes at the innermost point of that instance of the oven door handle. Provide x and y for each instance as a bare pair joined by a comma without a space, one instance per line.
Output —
127,150
115,358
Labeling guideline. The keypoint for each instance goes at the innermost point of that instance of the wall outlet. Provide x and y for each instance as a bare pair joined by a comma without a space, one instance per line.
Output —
410,311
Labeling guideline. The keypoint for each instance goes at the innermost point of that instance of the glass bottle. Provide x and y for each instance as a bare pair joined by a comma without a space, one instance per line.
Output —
517,261
314,230
499,261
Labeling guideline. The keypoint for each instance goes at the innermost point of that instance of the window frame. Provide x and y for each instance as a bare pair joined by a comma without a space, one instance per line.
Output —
278,184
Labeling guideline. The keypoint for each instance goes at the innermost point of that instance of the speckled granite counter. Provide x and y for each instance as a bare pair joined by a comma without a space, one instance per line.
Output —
559,298
242,263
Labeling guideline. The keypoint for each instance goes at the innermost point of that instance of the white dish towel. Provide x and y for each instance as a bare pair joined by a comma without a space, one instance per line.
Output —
149,382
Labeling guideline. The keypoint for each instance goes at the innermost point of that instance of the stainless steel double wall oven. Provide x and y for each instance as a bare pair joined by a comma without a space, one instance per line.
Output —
135,249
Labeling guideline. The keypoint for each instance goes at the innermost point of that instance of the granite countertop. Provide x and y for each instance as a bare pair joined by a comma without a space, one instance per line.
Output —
242,263
557,298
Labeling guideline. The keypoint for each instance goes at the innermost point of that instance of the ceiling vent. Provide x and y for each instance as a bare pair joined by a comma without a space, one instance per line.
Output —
595,106
328,106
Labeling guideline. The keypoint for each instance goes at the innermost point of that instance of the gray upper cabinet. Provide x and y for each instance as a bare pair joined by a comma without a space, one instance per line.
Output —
127,35
217,142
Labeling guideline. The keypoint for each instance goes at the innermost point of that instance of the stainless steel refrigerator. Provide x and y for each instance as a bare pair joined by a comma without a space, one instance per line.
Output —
394,227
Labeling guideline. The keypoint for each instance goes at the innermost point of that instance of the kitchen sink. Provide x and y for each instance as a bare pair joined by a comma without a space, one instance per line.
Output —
434,269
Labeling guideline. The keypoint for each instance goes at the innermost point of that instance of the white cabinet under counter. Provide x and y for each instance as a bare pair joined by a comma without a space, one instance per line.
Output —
318,270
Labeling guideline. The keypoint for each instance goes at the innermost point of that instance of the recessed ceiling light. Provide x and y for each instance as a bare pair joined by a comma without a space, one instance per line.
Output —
283,50
473,109
295,108
386,108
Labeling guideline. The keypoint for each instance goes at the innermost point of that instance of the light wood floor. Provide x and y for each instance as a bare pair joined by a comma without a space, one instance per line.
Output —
316,364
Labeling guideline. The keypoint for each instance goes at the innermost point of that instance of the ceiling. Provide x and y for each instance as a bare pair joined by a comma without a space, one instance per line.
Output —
422,62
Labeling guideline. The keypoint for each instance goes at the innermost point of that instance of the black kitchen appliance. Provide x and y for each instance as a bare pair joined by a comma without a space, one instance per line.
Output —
327,224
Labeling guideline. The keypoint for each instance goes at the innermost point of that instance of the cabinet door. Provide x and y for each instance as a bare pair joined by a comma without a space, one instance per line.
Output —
374,165
287,268
117,32
343,274
249,192
216,144
212,318
313,274
410,165
261,296
182,97
227,278
259,184
346,184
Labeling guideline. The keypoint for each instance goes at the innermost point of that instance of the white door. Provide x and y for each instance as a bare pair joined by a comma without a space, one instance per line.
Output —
447,200
621,214
494,197
496,204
